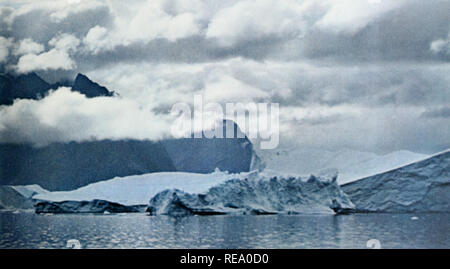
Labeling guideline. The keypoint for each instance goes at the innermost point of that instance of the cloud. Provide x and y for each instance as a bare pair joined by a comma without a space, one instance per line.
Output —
5,44
315,100
97,39
255,20
65,42
375,129
350,16
166,30
440,112
335,67
64,116
50,60
65,16
56,58
441,46
229,89
57,10
143,22
28,46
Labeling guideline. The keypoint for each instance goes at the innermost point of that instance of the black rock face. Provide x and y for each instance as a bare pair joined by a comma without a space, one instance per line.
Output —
67,166
89,88
94,206
204,155
31,86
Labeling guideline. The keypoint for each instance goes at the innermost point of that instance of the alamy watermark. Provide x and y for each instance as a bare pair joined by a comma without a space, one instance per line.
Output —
373,244
257,121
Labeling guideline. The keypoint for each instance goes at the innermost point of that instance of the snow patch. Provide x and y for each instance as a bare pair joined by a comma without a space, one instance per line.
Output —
137,190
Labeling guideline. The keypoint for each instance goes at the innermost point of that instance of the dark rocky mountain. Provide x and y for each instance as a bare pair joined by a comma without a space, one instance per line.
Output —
203,155
89,88
67,166
31,86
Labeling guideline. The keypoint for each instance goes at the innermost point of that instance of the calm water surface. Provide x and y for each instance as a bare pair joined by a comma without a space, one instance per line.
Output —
28,230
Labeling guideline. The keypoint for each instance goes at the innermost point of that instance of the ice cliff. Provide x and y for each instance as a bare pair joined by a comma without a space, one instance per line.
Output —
255,193
423,186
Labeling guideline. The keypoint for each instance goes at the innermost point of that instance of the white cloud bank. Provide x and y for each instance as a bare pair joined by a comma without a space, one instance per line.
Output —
257,19
321,57
28,46
56,58
441,46
64,116
143,22
5,44
350,16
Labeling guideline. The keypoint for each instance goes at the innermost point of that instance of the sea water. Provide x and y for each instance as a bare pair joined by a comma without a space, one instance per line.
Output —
138,230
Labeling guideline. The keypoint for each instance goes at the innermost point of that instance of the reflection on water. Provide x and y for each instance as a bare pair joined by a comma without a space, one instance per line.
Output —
28,230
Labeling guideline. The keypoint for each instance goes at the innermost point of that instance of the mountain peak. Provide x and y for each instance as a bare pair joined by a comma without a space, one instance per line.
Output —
32,86
89,88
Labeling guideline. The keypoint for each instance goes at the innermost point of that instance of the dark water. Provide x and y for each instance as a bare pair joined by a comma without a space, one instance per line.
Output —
28,230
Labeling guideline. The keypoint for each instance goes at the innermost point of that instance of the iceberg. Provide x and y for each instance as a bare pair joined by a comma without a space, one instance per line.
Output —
94,206
256,193
423,186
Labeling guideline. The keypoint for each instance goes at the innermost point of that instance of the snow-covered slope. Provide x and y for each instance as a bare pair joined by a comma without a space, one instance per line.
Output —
19,197
137,190
28,191
423,186
11,199
350,164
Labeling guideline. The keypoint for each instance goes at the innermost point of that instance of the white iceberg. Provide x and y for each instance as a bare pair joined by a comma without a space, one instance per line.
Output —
256,193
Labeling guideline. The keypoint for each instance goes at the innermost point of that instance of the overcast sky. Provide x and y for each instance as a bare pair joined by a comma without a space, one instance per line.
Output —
370,75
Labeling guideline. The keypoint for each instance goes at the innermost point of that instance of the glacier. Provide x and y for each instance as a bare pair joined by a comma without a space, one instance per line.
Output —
350,164
423,186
